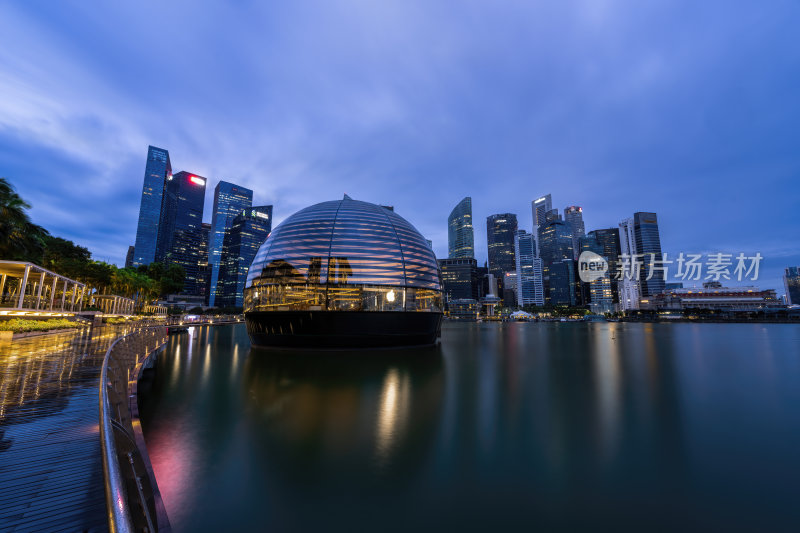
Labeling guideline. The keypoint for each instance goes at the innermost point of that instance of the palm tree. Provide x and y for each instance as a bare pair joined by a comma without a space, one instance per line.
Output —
20,238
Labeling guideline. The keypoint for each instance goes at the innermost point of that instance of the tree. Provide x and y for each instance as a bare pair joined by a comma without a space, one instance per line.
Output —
65,257
172,280
20,239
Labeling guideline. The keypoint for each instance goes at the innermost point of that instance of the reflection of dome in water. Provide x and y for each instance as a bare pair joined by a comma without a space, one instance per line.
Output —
343,274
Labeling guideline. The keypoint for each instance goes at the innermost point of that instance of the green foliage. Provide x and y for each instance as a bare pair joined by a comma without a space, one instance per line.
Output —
19,325
20,239
172,280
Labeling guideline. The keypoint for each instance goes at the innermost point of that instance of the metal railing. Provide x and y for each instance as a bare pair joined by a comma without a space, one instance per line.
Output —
130,499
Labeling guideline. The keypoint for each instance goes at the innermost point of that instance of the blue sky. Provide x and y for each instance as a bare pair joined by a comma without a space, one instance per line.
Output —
688,109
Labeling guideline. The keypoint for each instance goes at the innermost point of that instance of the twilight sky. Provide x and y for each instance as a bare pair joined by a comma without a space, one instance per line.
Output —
689,109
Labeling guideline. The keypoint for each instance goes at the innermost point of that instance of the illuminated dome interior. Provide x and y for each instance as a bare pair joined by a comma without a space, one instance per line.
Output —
344,255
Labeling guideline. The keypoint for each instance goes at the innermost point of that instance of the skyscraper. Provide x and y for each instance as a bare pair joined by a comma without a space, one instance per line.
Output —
555,246
596,293
500,231
608,239
628,286
460,235
203,266
156,172
180,234
229,202
561,283
648,243
241,242
573,216
539,209
791,281
530,288
129,257
459,278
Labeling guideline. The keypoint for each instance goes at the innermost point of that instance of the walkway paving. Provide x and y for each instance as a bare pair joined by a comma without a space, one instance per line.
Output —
51,475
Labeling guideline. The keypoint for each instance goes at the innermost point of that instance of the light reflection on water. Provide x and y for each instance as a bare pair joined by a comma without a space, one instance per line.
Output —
557,426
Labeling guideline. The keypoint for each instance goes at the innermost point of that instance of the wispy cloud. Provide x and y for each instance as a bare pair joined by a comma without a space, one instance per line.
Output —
682,108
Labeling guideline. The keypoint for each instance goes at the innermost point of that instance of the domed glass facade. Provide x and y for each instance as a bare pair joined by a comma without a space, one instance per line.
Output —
342,255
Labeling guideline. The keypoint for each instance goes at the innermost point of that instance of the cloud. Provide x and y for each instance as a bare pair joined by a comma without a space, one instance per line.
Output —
681,108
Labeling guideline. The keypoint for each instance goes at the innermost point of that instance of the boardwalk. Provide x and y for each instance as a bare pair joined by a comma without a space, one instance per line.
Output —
51,474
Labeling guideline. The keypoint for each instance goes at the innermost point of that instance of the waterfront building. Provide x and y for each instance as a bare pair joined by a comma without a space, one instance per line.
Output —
561,287
597,293
648,244
247,233
229,202
718,298
465,309
500,231
628,285
180,235
791,282
158,170
555,245
460,234
573,217
510,289
459,278
530,287
608,239
343,274
129,257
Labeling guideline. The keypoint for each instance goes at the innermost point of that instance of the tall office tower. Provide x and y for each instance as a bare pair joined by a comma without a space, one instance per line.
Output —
500,231
628,286
608,239
539,207
550,216
555,245
459,278
156,172
597,294
573,216
460,235
791,281
229,201
530,288
129,257
180,231
648,243
203,265
510,289
247,233
561,283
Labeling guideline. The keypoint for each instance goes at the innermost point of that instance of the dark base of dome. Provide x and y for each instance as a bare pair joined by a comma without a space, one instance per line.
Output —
342,329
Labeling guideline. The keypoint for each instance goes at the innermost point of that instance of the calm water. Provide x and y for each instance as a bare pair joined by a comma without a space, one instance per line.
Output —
626,427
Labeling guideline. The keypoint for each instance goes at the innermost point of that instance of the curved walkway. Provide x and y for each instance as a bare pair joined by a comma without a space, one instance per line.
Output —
51,475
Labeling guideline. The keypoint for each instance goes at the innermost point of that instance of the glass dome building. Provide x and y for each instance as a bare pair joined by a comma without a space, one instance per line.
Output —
343,274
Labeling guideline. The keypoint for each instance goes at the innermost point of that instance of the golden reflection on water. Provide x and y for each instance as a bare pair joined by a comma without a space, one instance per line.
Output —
392,414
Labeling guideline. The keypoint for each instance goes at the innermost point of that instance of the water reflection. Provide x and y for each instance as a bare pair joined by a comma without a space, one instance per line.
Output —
504,426
326,413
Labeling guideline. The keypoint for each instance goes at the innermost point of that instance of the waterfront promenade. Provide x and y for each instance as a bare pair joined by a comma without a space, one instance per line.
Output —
51,475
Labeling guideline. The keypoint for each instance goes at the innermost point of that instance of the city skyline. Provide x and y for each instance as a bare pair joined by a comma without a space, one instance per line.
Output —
647,115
